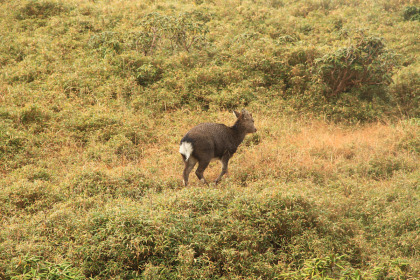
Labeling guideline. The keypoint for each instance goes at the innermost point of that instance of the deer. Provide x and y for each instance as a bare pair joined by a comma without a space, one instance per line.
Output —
213,141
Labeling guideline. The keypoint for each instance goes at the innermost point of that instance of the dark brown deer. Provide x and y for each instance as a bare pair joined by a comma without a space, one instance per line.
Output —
210,141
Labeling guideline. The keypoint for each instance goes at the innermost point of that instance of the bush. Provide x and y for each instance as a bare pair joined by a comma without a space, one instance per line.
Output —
84,126
35,267
152,31
202,234
330,267
411,13
411,139
184,32
122,146
14,144
29,197
106,43
188,30
40,9
13,51
34,114
383,167
130,184
300,62
148,74
405,92
364,69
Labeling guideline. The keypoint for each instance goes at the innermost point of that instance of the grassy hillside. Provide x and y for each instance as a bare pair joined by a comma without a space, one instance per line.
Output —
96,95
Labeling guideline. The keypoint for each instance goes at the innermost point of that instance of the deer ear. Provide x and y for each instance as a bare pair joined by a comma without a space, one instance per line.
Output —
237,114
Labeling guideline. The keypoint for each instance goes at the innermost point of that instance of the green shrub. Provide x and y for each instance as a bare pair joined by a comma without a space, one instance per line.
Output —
40,9
411,13
364,69
262,68
26,73
394,269
300,62
30,197
12,51
351,109
148,39
106,43
405,92
94,183
253,140
232,97
184,31
39,174
34,114
84,127
123,146
188,30
330,267
411,139
130,184
35,267
380,168
7,115
148,74
203,233
14,144
146,70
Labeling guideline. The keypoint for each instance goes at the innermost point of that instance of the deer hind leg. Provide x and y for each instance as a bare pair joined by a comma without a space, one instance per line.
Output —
202,165
225,161
189,165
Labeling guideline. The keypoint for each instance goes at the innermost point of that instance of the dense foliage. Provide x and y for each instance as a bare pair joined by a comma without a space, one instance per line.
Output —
95,96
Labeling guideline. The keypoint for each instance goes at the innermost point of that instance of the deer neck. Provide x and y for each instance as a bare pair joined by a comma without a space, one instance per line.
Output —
239,132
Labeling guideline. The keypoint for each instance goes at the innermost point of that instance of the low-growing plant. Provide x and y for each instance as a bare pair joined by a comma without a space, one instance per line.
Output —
148,74
330,267
35,267
411,140
188,30
405,91
124,147
364,69
30,197
95,96
84,126
183,31
411,13
153,28
33,114
106,43
40,9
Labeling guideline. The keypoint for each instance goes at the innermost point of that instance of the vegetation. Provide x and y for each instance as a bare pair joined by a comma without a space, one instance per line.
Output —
96,95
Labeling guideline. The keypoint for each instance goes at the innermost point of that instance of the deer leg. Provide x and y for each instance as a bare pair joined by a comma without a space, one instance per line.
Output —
202,165
189,165
224,160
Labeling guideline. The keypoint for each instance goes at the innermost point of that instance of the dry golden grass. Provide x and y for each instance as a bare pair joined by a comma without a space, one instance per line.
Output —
286,149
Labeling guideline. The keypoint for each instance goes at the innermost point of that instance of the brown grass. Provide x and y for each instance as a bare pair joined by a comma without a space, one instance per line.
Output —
289,149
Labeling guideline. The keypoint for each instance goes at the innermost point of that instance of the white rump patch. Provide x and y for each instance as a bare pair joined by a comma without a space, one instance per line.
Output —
186,149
